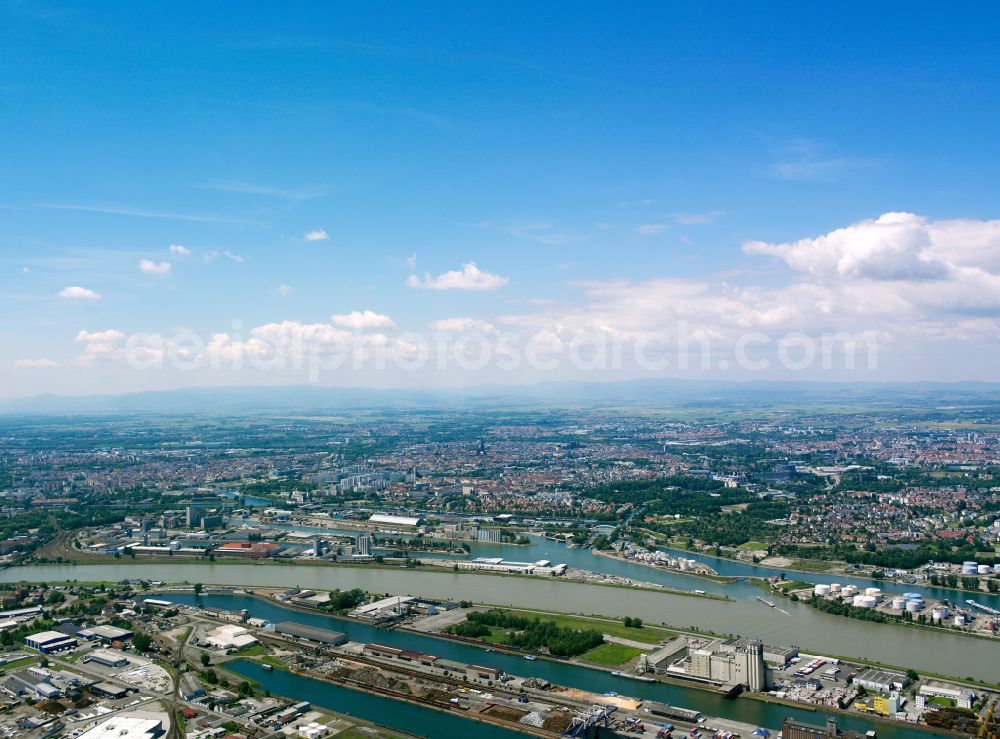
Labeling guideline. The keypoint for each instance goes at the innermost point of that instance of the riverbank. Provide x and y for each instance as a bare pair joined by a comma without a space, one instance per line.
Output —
356,686
940,652
724,579
596,622
803,594
638,688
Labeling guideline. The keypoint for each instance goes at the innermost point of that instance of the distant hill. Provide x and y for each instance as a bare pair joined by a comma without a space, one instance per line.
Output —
653,393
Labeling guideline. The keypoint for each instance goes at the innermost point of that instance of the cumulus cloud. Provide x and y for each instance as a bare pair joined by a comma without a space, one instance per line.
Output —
35,364
901,277
317,234
284,289
470,277
149,267
180,250
106,344
362,320
76,292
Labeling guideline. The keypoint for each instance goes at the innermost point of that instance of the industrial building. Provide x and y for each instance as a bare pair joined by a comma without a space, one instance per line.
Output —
248,549
743,666
48,642
498,564
362,546
108,690
963,697
493,536
792,729
105,632
881,681
107,657
136,725
381,609
394,520
774,656
405,655
230,636
311,633
482,673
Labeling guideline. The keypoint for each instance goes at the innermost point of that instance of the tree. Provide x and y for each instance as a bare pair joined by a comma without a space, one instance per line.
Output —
141,642
198,588
912,674
205,660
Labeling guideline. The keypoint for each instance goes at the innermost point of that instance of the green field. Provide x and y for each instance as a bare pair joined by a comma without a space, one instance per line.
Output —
254,650
646,634
611,654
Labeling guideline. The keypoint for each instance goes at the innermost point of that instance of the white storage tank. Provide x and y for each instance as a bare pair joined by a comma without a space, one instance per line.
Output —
959,619
868,601
985,569
970,568
898,603
858,600
873,591
939,613
835,587
822,589
912,606
850,591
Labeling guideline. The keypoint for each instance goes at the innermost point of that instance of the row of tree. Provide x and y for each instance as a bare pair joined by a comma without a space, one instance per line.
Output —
530,633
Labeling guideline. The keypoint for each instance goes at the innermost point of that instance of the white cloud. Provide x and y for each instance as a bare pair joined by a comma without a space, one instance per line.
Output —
284,289
411,261
252,188
317,234
149,267
463,325
105,344
470,277
34,364
76,292
540,231
362,320
181,250
651,229
696,219
211,256
108,335
809,161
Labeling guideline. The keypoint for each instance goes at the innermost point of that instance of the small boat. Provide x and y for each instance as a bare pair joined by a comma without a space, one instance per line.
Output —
530,657
266,668
616,673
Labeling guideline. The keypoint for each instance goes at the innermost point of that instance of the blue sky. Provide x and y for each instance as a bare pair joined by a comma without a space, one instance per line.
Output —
602,167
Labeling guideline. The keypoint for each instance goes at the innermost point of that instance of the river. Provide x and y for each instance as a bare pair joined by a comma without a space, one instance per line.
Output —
585,559
746,710
922,649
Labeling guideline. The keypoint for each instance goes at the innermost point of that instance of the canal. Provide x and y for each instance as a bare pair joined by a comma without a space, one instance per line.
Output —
746,710
394,714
